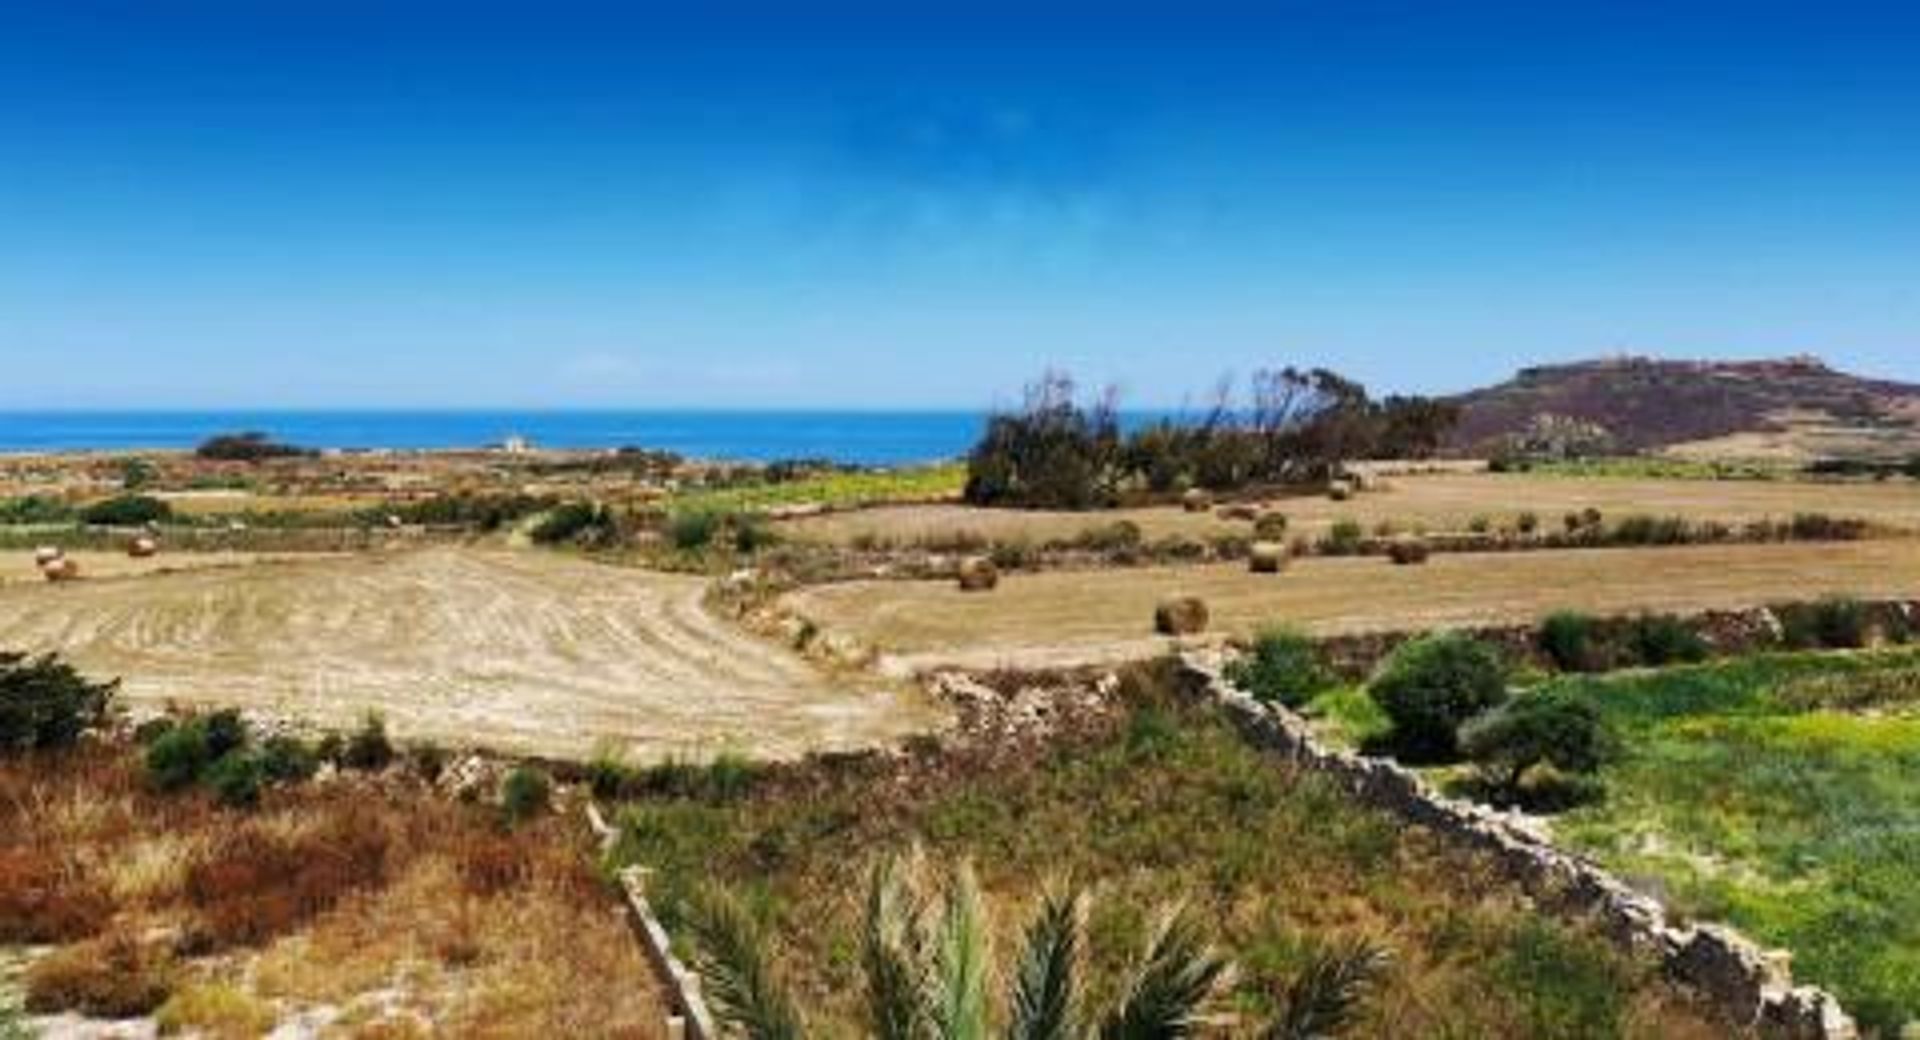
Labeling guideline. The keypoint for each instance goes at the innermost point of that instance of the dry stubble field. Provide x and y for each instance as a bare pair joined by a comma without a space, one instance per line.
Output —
1441,501
1070,617
525,651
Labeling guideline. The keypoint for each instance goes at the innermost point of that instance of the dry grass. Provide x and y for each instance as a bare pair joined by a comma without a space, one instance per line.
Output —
1062,617
522,650
19,569
1439,502
384,903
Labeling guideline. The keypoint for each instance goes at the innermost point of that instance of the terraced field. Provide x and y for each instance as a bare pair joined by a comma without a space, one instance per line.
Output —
1068,617
1440,501
520,650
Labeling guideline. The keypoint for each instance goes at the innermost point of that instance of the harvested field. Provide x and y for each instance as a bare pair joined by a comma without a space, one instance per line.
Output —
1035,620
517,650
104,564
1440,502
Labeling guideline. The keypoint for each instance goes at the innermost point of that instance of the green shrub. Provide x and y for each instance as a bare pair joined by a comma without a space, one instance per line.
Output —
428,760
1343,538
583,523
45,703
288,760
126,511
524,794
609,774
368,748
177,757
1571,642
1819,527
1662,639
1527,523
1432,685
751,532
225,732
1552,728
35,509
1838,623
236,780
250,446
1270,527
1284,668
1651,530
693,528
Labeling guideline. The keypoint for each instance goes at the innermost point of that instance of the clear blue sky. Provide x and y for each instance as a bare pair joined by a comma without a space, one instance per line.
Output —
392,203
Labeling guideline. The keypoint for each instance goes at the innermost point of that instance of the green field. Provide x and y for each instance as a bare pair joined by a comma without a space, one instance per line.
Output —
1782,795
834,490
1778,793
1168,803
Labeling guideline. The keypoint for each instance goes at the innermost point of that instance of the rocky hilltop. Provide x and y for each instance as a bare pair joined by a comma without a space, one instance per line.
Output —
1794,407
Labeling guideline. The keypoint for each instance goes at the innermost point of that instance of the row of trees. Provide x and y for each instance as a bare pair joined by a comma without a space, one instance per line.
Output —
1294,426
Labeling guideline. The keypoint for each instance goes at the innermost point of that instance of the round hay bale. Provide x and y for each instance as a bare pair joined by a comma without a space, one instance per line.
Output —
1238,511
1180,616
47,554
1196,500
142,547
63,569
1340,490
1408,551
1267,557
978,574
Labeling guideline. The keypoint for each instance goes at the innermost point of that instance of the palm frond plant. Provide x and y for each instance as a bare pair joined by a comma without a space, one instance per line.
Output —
1323,999
731,955
929,970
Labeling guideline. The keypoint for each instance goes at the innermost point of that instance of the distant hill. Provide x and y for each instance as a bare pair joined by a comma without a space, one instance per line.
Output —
1790,408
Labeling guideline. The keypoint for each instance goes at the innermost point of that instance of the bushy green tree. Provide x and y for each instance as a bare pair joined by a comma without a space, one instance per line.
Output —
45,703
1432,685
127,511
1284,667
1551,728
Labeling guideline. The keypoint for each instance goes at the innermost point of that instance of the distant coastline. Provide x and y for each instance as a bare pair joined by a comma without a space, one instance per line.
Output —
872,438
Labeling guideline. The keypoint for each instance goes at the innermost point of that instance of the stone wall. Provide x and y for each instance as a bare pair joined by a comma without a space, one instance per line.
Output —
688,1017
1732,977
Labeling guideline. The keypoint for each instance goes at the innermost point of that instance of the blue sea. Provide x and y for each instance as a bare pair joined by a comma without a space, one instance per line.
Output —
871,438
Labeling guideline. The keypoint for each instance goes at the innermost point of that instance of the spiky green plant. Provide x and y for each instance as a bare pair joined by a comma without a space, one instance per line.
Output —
731,955
928,965
1174,977
1323,998
1045,1002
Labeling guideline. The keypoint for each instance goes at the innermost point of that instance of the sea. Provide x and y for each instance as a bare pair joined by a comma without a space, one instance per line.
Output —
879,438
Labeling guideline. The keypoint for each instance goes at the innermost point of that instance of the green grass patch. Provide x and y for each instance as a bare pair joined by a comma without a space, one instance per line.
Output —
1745,798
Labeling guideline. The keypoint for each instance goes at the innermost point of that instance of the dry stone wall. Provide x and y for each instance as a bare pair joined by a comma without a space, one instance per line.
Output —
1731,976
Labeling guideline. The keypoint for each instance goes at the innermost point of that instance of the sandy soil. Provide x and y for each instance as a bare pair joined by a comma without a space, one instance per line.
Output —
520,650
1078,617
1444,501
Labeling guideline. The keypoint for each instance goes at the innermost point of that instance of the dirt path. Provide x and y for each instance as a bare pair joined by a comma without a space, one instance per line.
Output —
522,650
1059,618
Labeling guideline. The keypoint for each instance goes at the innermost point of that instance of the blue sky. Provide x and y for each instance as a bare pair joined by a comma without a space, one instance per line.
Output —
391,204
